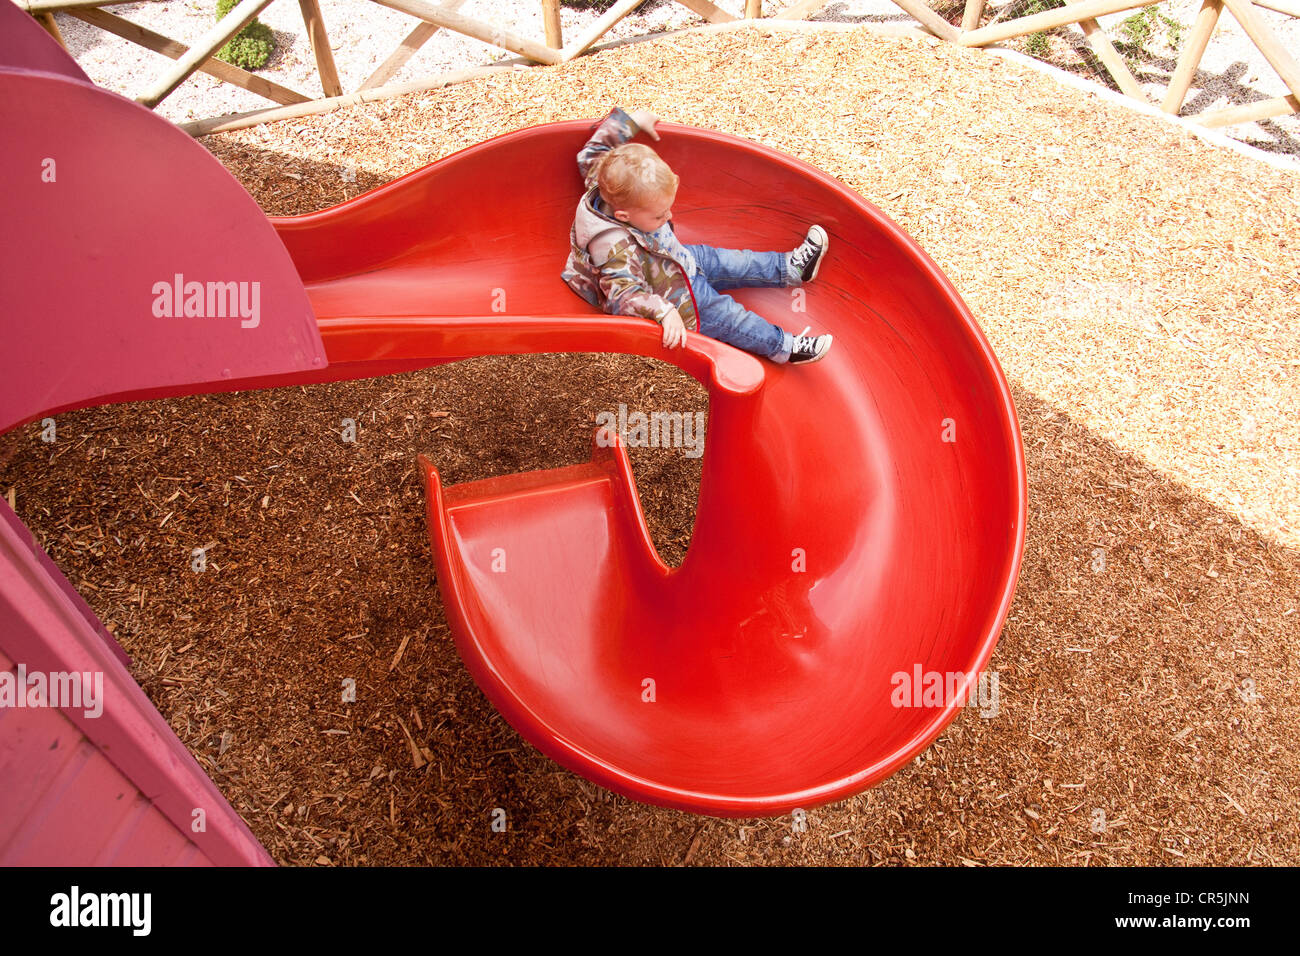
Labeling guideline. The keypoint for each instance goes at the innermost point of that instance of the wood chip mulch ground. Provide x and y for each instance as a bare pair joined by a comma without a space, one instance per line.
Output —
1140,288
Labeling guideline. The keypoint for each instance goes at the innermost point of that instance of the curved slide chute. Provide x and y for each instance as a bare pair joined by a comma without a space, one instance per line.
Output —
860,521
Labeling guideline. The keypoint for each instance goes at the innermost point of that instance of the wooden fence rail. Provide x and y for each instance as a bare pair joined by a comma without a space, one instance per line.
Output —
433,17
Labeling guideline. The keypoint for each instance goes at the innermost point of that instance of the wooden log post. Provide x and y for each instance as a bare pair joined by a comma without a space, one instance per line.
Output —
37,6
917,9
409,46
417,38
203,48
486,32
1110,58
1048,19
46,19
1251,112
226,72
753,9
970,17
1278,58
221,124
598,29
1290,7
936,24
320,48
1206,20
551,19
801,9
709,11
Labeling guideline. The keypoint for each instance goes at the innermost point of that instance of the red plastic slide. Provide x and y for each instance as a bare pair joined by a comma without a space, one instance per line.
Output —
860,521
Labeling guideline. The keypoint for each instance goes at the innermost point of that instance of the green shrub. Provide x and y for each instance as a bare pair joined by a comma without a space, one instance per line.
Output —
251,47
1037,44
1139,28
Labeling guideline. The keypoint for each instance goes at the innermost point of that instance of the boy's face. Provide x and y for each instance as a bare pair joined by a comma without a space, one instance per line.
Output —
650,217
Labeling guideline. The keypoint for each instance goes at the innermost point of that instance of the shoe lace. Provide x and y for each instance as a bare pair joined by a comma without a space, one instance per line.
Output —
803,342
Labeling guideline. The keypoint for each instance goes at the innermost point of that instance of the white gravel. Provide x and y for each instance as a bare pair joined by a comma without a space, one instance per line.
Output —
362,34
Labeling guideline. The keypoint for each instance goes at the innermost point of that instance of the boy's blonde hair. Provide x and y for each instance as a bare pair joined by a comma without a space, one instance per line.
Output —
633,175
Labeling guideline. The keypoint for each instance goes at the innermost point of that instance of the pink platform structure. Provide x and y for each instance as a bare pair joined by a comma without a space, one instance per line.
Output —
840,538
99,199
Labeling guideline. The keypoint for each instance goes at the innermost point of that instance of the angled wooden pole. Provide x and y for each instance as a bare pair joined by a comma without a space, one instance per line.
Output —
936,24
753,9
409,46
917,9
1290,7
487,32
551,21
320,47
226,72
801,10
221,124
709,11
1110,58
598,29
36,6
1250,112
970,17
203,48
1048,19
1202,29
406,49
46,19
1278,58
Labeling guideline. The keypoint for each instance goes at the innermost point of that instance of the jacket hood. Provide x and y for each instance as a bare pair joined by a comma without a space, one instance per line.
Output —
589,223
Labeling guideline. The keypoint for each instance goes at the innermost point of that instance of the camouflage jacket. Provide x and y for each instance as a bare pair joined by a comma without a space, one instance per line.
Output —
630,272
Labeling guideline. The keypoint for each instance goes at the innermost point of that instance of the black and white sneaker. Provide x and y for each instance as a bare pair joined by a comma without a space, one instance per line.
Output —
803,262
810,348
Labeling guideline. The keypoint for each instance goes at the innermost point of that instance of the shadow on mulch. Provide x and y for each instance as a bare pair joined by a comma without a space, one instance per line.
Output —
1141,670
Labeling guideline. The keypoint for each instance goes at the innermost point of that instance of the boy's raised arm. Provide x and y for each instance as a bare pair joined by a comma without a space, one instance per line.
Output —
614,130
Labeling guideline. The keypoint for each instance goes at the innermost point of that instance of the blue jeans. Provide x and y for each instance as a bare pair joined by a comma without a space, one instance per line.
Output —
722,317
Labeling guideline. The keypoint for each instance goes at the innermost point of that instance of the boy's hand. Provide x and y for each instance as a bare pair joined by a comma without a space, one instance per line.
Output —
674,330
645,121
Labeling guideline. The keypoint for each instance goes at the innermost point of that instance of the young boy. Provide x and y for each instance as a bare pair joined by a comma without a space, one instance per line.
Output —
625,256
